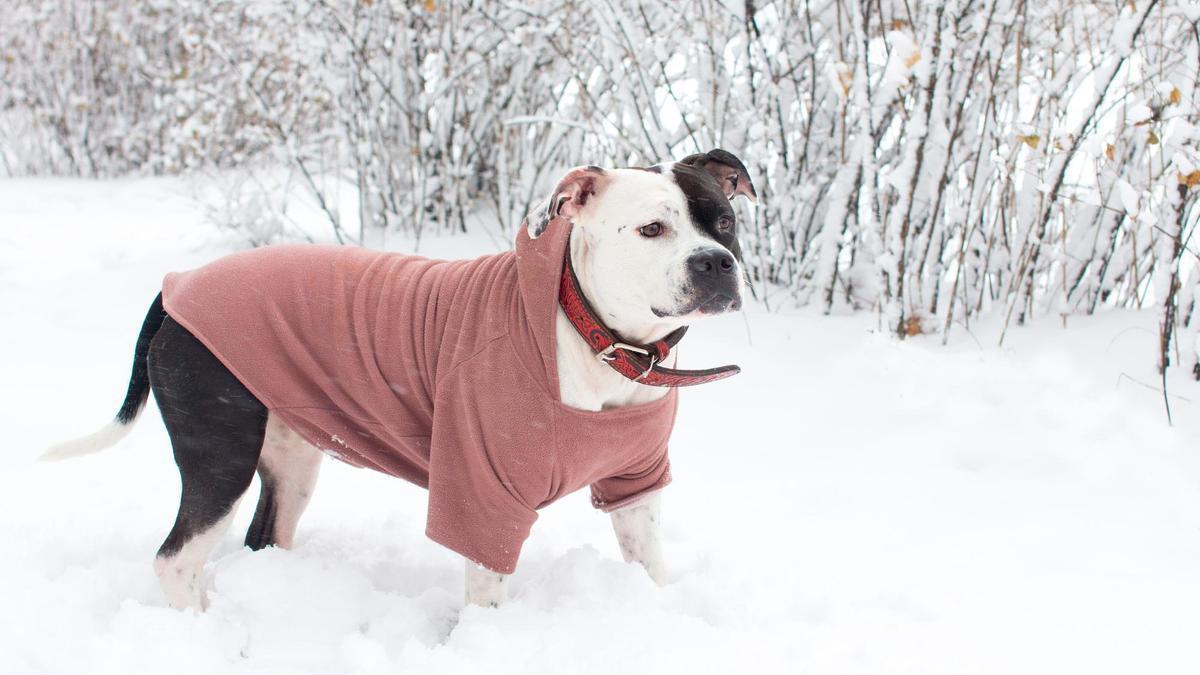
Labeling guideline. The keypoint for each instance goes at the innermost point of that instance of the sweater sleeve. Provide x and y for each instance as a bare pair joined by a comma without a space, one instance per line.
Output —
616,492
486,475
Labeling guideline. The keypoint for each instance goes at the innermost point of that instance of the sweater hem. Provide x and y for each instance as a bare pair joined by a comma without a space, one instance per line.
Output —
632,500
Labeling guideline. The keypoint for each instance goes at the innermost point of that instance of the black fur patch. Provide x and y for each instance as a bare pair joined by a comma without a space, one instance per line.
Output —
539,220
139,379
707,205
262,529
216,427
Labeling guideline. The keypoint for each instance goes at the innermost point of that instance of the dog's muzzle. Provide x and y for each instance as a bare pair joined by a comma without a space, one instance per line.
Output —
712,276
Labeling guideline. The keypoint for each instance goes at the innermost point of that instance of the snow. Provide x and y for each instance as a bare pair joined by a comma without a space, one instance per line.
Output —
849,504
1129,197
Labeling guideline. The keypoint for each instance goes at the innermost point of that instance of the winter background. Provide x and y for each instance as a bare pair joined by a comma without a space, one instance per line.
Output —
966,435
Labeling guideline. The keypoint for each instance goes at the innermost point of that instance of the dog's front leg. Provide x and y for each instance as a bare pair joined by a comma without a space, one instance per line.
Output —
638,530
485,587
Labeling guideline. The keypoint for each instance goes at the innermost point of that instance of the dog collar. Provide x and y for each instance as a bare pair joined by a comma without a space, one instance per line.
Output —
636,362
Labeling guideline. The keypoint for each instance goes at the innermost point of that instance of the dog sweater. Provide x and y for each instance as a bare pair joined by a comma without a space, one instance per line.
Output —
442,373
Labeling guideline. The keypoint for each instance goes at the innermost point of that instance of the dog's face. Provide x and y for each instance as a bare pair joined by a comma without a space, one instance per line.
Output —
657,248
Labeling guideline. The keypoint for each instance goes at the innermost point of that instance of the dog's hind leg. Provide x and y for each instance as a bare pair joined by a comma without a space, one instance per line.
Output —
216,427
288,471
180,563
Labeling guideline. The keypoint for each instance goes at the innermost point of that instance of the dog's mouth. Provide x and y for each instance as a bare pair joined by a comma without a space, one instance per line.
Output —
718,304
707,305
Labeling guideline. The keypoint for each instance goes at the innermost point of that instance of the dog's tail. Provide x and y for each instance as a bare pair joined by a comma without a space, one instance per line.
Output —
135,397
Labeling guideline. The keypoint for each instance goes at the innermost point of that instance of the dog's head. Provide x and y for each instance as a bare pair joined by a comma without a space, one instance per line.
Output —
655,248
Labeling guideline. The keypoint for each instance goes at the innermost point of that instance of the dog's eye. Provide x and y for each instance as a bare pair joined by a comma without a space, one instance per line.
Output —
651,230
724,224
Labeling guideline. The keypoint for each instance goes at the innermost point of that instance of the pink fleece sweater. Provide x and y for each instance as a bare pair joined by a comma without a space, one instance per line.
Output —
442,373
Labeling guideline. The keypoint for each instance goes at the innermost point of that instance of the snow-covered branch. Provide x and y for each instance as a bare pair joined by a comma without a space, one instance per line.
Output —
929,161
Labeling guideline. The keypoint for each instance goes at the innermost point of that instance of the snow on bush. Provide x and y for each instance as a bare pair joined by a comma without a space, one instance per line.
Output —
929,161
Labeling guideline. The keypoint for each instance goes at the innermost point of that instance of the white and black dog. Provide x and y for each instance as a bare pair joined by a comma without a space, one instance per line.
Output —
652,248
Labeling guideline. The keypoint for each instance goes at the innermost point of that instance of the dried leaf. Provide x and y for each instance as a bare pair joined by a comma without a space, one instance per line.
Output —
912,59
912,326
1153,139
845,78
1110,152
1190,179
430,6
1175,96
1031,140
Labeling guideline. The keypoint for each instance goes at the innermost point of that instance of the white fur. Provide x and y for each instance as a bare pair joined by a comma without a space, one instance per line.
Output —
293,464
485,587
587,383
622,273
181,575
625,275
96,441
638,528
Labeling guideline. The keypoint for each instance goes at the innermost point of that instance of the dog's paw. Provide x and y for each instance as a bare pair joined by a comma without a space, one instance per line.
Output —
660,575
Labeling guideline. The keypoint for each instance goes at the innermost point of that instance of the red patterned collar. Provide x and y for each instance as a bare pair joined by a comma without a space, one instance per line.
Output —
636,362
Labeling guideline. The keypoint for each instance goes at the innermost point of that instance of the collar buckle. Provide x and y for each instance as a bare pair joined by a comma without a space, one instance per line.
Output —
606,354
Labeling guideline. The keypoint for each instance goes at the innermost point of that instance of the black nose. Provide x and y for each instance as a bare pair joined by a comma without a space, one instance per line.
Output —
712,262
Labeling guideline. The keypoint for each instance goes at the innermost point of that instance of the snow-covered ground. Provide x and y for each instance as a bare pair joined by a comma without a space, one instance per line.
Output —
849,504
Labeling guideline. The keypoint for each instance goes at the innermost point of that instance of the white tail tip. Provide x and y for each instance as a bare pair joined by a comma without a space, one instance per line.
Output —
86,445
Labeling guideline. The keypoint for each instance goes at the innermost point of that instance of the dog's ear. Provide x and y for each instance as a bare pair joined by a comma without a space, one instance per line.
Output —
727,169
575,190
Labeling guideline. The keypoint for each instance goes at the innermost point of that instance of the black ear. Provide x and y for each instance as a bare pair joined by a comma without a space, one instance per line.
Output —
727,169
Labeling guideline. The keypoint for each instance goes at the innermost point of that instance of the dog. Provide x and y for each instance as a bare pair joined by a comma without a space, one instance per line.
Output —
499,384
